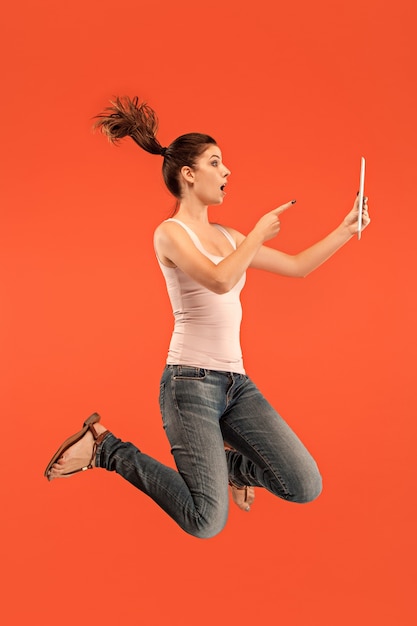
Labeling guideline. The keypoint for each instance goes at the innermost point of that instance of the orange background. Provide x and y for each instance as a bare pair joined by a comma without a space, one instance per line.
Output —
294,93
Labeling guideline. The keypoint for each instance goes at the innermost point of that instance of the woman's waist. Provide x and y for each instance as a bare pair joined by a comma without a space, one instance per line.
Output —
209,349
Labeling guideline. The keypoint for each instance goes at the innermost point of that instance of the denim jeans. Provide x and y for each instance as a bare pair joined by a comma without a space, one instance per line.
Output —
200,410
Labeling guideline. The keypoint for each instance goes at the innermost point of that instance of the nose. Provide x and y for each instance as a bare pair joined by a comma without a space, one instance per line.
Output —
226,172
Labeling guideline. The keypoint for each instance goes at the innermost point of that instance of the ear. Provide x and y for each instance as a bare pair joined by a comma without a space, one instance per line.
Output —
187,174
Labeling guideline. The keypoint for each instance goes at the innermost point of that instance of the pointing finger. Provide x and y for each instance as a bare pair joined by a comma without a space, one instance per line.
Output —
283,207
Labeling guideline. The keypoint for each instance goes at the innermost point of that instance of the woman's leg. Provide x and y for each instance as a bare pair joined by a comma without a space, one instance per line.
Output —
196,497
268,453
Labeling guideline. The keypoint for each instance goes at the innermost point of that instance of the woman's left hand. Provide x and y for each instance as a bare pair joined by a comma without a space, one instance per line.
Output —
351,219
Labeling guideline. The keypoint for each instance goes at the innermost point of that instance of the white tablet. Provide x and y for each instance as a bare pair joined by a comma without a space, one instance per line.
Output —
361,194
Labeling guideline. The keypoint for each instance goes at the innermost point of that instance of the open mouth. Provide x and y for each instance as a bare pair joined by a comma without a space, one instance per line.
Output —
222,187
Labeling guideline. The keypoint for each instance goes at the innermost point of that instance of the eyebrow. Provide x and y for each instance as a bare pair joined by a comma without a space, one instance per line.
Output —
215,155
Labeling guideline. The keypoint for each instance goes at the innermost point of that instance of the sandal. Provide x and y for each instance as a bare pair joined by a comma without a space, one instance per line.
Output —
88,425
243,497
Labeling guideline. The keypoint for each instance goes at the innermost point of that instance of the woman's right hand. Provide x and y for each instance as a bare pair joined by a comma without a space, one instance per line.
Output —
269,225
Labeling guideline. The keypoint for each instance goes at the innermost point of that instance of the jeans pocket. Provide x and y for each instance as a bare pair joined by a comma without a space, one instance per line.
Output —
188,372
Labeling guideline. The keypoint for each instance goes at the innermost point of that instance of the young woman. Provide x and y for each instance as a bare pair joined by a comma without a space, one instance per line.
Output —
206,398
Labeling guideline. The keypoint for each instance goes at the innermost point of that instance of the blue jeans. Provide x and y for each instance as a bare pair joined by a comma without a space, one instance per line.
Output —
201,409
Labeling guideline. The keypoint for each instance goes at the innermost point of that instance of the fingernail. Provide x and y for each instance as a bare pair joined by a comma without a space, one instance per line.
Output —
293,201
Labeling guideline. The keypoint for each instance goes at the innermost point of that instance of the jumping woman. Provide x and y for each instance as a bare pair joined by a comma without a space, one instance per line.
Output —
206,398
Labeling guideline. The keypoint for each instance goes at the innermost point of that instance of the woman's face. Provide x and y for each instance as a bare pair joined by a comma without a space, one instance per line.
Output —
210,176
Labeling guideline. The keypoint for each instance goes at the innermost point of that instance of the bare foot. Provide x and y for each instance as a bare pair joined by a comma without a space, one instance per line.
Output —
243,497
77,456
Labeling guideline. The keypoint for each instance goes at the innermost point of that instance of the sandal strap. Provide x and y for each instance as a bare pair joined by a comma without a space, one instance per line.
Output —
98,439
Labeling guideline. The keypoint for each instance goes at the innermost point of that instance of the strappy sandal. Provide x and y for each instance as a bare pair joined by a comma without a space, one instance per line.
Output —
88,425
243,497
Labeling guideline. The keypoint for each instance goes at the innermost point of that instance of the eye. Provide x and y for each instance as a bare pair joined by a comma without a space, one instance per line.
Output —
214,163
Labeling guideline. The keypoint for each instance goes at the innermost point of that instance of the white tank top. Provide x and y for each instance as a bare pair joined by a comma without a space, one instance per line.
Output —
207,325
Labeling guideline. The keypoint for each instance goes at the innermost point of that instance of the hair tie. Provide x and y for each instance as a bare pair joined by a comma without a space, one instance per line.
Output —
163,151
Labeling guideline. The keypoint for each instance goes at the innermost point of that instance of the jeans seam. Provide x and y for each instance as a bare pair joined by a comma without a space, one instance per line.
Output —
131,466
178,411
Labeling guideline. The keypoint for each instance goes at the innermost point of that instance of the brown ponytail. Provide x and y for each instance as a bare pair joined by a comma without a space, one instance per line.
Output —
129,118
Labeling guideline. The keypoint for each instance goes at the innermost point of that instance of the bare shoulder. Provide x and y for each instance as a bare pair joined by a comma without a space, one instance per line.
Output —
162,228
161,242
170,240
167,230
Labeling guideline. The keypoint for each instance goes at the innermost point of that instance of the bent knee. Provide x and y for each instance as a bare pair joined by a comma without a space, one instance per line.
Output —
208,525
309,488
206,530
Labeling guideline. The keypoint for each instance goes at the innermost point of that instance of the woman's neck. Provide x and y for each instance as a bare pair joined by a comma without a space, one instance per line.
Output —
193,213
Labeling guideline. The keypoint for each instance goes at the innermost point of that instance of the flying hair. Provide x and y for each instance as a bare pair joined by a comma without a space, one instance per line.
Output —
127,117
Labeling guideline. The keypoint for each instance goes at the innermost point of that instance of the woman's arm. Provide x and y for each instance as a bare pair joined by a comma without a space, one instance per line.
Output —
175,248
301,264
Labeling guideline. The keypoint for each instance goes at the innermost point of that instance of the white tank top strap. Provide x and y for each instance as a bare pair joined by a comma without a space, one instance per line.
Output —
196,239
185,227
226,234
191,233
